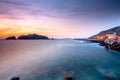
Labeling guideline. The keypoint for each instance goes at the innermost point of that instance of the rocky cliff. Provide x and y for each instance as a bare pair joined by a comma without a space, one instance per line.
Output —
109,31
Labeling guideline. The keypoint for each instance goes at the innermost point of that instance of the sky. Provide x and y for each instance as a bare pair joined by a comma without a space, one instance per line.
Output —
58,18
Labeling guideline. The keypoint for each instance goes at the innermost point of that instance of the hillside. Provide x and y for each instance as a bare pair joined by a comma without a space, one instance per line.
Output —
109,31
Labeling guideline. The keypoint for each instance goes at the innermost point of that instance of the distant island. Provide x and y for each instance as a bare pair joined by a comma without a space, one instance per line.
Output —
11,38
28,37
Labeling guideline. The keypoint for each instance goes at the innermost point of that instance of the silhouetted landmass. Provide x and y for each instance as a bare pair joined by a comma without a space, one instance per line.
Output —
109,31
79,39
11,38
28,37
32,36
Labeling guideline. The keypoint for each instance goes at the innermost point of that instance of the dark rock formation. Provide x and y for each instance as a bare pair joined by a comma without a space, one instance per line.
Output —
109,31
68,78
115,46
32,36
15,78
11,38
102,43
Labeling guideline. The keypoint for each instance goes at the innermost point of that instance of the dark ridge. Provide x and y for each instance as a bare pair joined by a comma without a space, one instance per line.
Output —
11,38
32,36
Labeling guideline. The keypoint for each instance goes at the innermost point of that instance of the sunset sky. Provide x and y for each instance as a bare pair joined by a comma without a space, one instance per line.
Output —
58,18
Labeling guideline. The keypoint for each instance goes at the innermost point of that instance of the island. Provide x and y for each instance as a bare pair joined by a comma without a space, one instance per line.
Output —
32,36
28,37
11,38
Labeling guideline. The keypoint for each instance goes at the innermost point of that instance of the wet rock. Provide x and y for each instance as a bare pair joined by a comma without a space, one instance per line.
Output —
102,43
68,78
114,46
15,78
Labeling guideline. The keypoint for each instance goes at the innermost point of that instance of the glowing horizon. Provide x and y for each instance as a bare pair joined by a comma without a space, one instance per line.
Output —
58,18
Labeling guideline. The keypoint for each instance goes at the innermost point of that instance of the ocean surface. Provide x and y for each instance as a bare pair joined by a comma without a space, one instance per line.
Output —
56,59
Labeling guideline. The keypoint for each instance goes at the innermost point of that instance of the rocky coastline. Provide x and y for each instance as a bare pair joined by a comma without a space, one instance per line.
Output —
110,38
114,46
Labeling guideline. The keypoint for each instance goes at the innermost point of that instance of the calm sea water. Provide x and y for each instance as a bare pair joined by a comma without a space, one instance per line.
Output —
56,59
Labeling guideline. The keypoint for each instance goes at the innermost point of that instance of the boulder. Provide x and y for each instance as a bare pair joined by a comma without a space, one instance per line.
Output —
15,78
68,78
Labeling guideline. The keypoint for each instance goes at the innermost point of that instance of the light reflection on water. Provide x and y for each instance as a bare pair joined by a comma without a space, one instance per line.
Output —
55,59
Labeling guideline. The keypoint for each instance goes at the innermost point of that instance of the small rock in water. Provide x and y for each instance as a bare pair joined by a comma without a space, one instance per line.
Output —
68,78
15,78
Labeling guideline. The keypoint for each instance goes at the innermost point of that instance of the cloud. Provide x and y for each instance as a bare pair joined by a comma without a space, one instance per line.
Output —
77,8
11,2
13,9
10,9
90,8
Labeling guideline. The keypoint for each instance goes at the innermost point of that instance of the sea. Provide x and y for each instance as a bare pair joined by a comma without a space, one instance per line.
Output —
57,59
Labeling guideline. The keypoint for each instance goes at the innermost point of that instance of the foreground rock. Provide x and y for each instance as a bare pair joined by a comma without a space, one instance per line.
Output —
15,78
68,78
11,38
113,46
